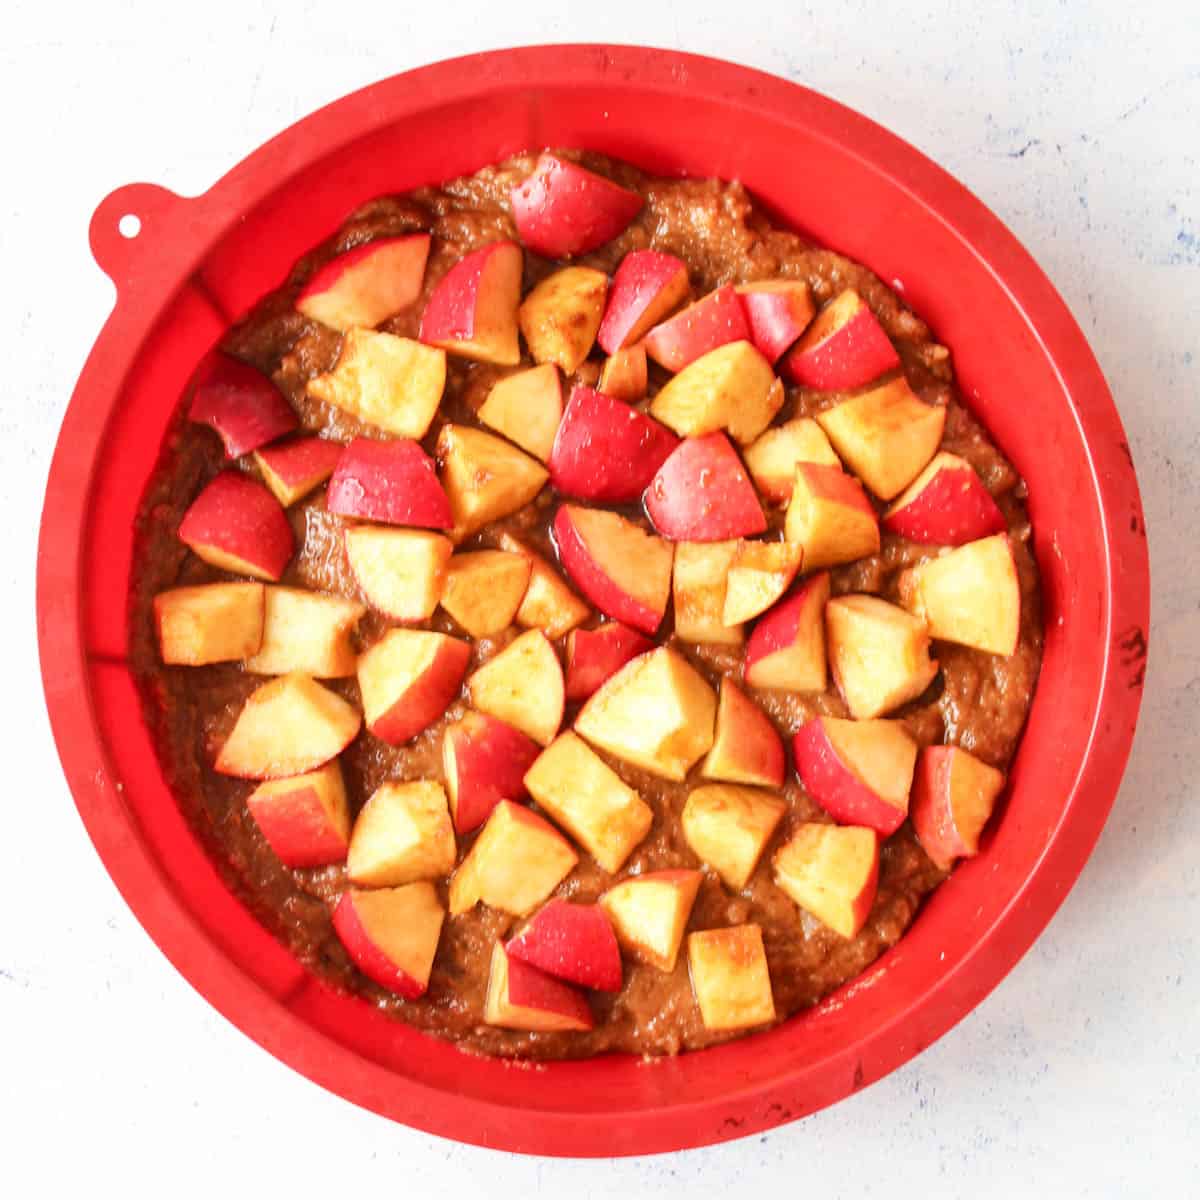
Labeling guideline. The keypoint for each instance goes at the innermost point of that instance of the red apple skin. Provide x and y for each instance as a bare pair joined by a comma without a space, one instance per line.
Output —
756,733
595,655
451,311
854,355
299,831
241,404
394,482
342,269
703,494
306,460
953,508
530,988
368,958
606,451
564,209
932,808
644,279
239,517
490,762
777,628
777,316
428,698
711,322
572,942
836,788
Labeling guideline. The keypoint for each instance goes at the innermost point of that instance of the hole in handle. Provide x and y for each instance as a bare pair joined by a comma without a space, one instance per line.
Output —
129,226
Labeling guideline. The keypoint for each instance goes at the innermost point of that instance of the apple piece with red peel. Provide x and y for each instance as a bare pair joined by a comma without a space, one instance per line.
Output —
307,632
483,590
879,654
832,872
236,525
845,347
519,996
523,685
589,800
562,209
408,679
778,311
703,494
390,382
970,595
209,623
711,321
759,574
623,570
367,284
516,862
572,942
403,834
773,457
548,604
730,980
747,748
657,712
484,760
953,796
859,772
485,478
605,450
650,912
401,571
829,517
560,317
946,505
294,468
472,312
646,287
787,647
305,819
596,655
287,727
394,482
700,575
240,404
526,408
392,935
728,827
624,375
731,388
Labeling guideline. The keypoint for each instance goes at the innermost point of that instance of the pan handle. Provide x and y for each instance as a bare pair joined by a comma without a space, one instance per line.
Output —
131,230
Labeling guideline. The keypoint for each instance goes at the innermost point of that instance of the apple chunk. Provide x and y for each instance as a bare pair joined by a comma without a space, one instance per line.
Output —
712,321
243,406
589,800
211,623
394,482
595,655
832,872
402,834
650,912
859,772
305,819
473,310
844,348
646,287
728,827
572,942
307,632
548,604
236,525
700,576
747,748
401,571
946,505
561,316
484,761
703,494
657,712
287,727
829,517
392,935
516,862
526,408
294,468
483,590
366,285
759,574
519,996
624,375
730,978
787,648
408,679
778,311
623,570
953,796
772,459
523,685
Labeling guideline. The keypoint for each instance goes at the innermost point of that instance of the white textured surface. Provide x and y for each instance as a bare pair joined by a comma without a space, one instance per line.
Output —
1080,1075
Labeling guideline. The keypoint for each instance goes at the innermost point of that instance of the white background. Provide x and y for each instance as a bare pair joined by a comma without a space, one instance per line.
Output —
1080,1075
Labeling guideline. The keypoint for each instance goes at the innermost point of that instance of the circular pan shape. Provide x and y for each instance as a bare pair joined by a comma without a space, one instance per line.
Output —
820,168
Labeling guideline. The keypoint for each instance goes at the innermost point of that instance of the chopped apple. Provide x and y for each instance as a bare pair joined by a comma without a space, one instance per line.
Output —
287,727
595,655
392,935
712,321
829,517
402,834
523,685
305,819
307,632
747,747
728,827
519,996
624,375
953,796
484,761
516,862
832,872
730,979
367,284
236,525
787,648
408,679
657,712
563,209
772,459
844,348
647,286
473,310
548,604
394,482
946,505
211,623
859,772
292,469
759,574
650,912
241,405
623,570
778,311
527,408
561,316
401,571
483,590
589,800
702,494
970,595
572,942
700,575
